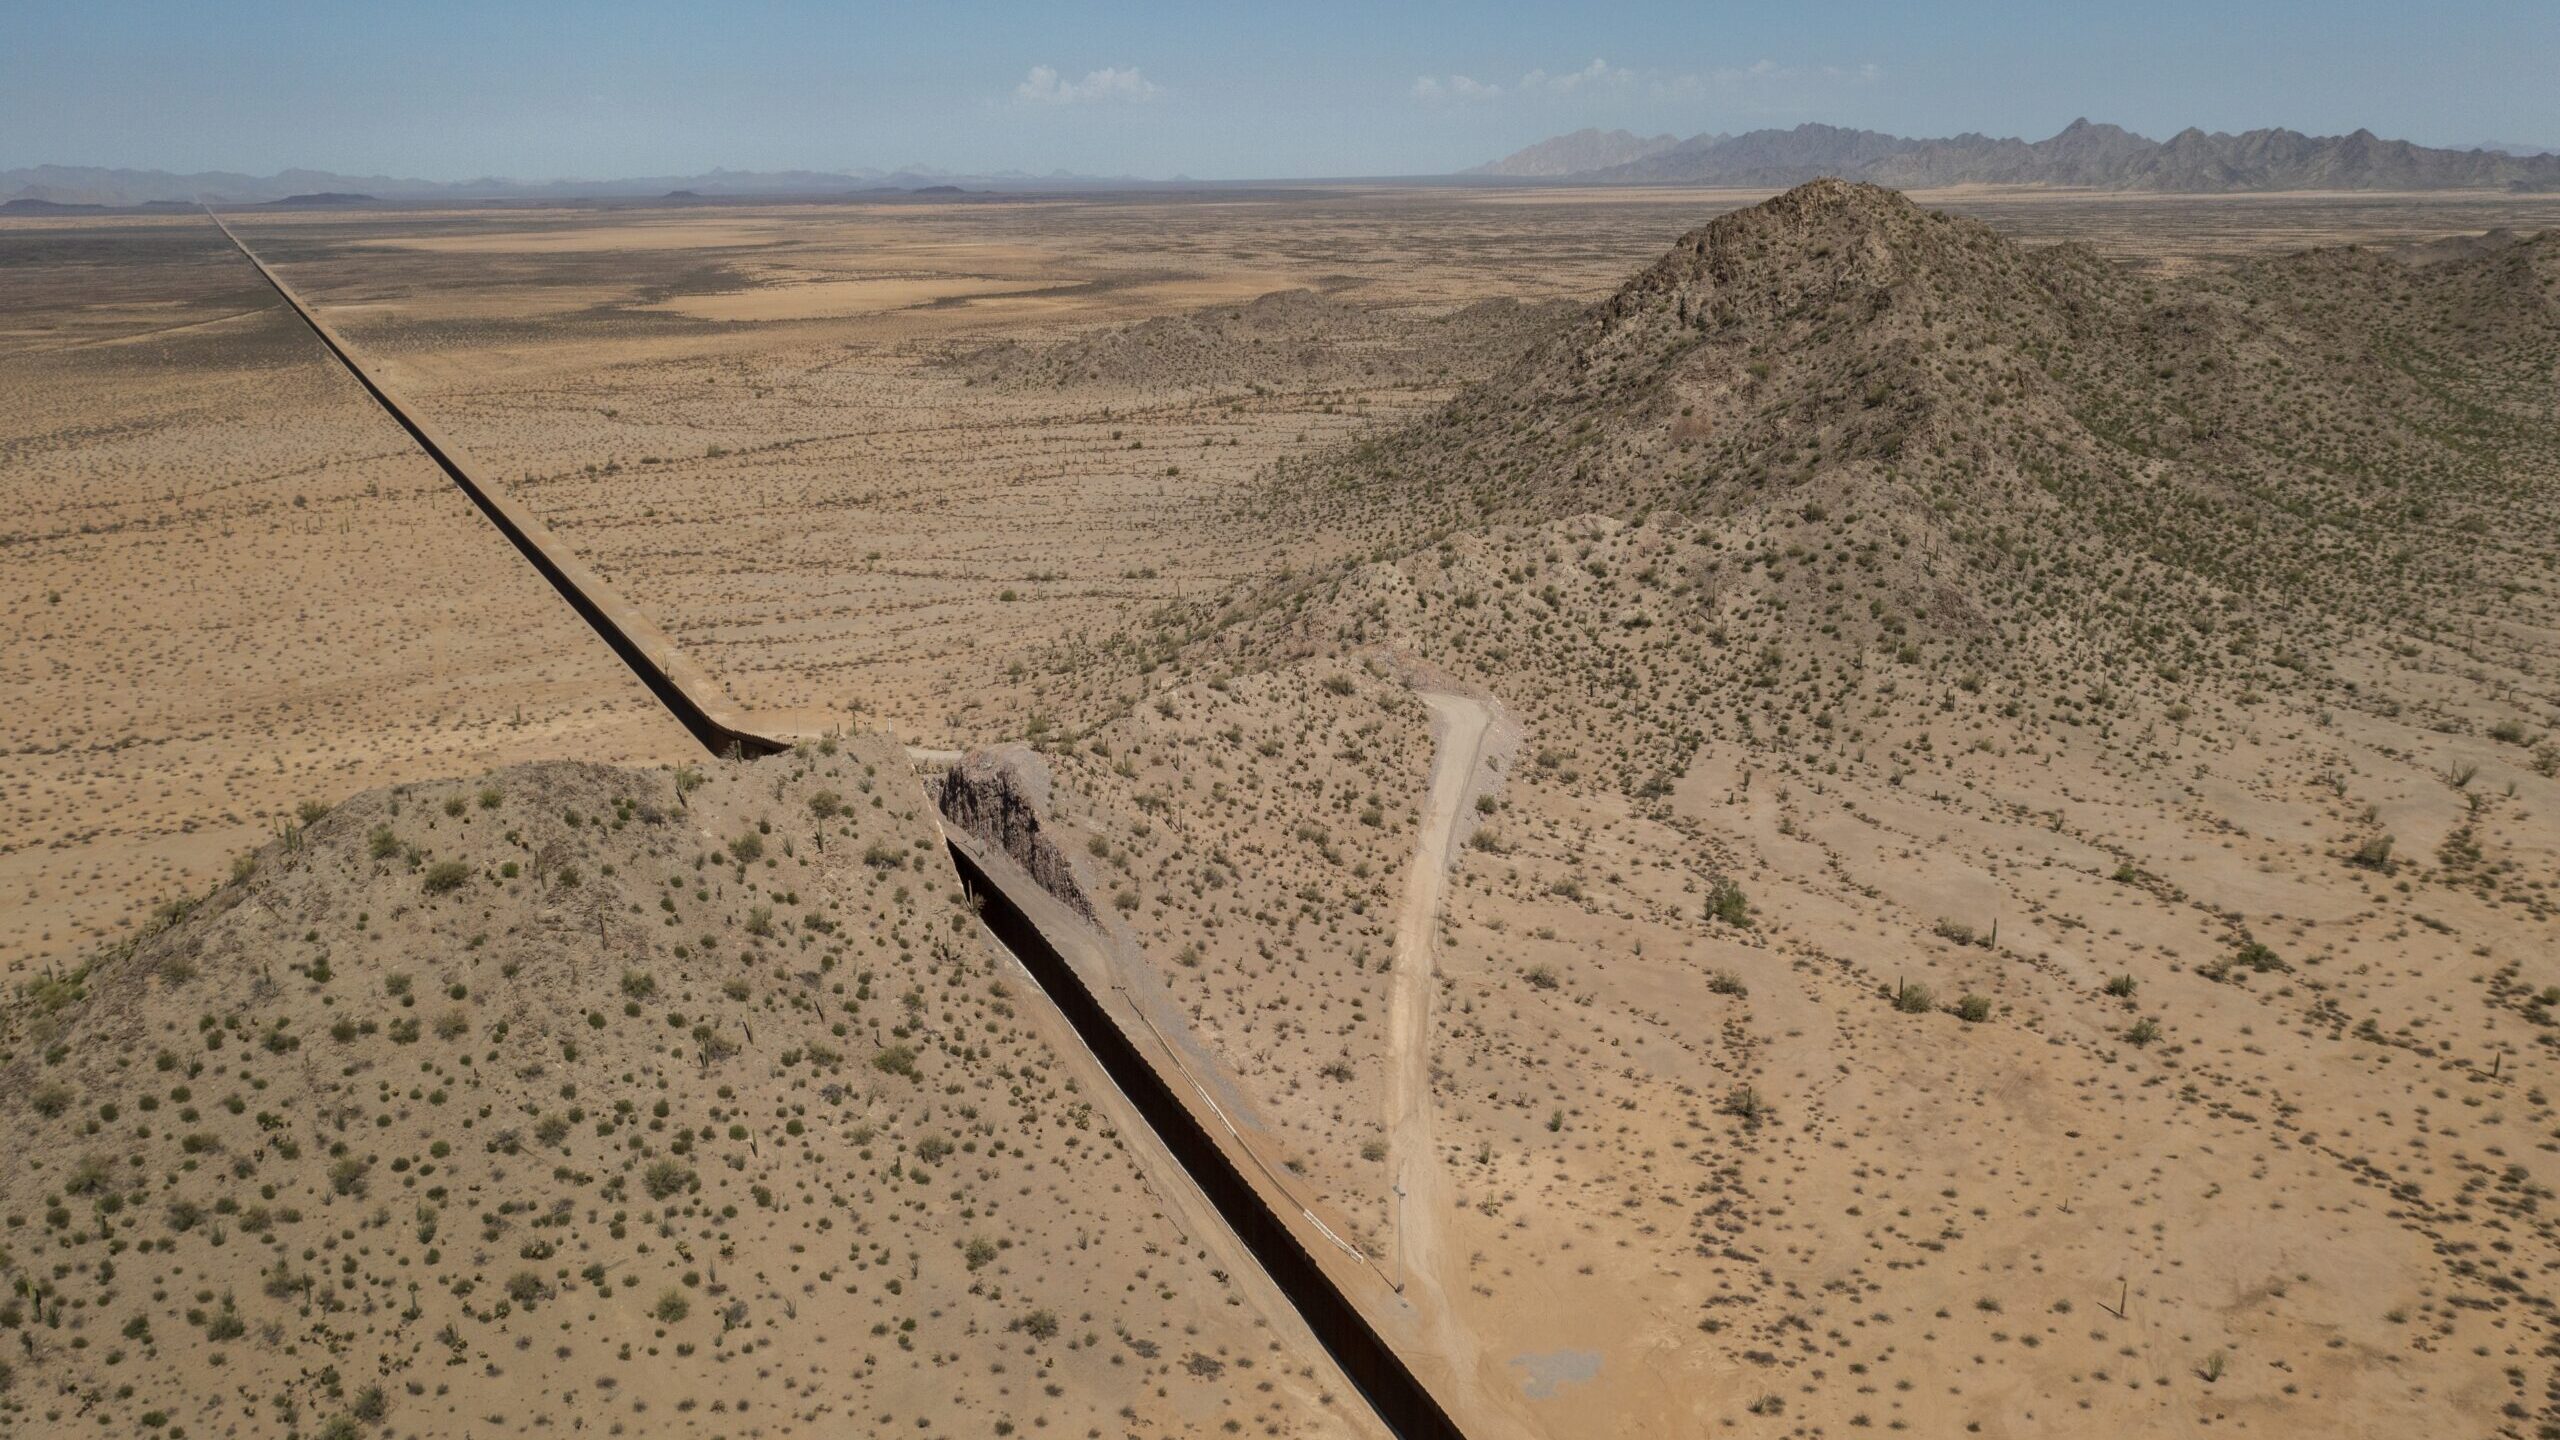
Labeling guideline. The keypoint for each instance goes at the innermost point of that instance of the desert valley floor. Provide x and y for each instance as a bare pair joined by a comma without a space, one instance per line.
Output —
1938,824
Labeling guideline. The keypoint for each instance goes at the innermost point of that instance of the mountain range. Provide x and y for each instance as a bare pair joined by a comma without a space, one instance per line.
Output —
2085,154
96,185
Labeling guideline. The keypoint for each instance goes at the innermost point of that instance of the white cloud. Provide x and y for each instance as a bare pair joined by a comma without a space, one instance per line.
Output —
1455,87
1045,86
1598,75
1760,84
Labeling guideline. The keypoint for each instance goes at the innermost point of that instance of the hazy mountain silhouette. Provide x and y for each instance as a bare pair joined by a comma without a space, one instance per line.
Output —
2084,154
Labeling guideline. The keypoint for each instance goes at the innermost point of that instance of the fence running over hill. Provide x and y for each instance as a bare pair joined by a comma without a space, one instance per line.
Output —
1391,1388
1389,1385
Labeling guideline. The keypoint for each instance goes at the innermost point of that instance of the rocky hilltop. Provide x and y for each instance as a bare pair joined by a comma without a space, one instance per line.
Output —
1990,439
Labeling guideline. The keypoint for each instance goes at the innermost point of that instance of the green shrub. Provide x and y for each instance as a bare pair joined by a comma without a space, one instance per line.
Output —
447,876
665,1178
1725,902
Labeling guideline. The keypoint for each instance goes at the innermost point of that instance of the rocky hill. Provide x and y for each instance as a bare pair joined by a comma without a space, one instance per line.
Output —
2004,436
2033,785
2099,156
567,1097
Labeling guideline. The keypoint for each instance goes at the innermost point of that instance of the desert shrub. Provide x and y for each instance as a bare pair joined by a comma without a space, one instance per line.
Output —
747,849
1725,982
1725,902
672,1306
896,1060
1913,999
2142,1031
665,1178
1041,1324
1973,1009
89,1175
446,876
1542,976
826,804
2121,986
1744,1103
2259,958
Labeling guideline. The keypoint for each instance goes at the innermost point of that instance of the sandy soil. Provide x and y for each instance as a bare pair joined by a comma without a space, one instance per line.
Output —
1422,1188
235,590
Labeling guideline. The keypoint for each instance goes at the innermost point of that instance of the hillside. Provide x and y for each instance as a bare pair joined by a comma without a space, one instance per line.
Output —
2009,874
1998,434
2099,156
569,1097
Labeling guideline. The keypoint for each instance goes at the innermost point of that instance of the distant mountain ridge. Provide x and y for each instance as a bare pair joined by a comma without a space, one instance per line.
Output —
2083,154
95,185
1579,153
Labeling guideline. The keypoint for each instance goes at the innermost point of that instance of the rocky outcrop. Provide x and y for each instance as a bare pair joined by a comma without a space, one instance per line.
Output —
998,795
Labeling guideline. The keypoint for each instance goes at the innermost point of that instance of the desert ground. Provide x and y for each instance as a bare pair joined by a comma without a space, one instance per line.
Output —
1744,924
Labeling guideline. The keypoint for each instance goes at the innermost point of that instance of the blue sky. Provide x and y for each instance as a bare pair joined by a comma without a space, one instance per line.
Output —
462,88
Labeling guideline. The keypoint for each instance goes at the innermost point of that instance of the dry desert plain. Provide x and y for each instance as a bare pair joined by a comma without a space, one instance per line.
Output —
1755,885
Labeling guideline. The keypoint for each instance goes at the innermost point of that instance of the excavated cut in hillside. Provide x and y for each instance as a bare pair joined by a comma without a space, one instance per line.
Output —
577,1097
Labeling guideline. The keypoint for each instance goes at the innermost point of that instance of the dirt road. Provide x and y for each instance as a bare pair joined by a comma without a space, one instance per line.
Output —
1423,1191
